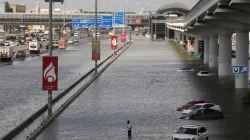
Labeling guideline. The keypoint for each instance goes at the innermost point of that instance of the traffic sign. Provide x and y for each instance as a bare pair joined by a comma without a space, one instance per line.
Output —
96,51
120,18
240,69
107,21
114,42
50,73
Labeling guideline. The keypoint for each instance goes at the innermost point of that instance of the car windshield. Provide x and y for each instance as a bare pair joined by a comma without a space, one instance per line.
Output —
196,107
204,72
188,104
190,131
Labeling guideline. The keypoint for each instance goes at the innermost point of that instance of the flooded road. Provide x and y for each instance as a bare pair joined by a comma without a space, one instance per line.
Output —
21,88
143,86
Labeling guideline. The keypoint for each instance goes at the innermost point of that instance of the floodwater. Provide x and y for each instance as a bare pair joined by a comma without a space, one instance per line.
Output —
21,83
143,86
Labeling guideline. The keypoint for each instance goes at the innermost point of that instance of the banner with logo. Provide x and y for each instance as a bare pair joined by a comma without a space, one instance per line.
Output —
50,73
96,51
113,42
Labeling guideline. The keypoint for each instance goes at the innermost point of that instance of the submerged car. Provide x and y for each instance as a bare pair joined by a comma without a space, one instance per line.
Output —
204,73
202,114
20,54
185,69
206,106
191,132
190,104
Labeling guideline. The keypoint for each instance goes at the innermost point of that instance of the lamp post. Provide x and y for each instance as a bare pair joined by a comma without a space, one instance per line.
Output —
96,31
114,17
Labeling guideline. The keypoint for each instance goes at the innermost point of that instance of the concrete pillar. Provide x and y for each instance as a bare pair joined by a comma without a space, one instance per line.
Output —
242,50
213,51
225,55
196,45
206,50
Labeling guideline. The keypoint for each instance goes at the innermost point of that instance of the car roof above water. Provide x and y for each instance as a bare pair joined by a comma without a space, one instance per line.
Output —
192,126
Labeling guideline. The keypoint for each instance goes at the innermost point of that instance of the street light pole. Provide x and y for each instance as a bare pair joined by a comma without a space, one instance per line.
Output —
96,31
50,54
114,17
124,16
155,28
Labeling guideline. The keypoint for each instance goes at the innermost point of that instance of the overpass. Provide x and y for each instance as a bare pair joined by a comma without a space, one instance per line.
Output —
58,19
213,22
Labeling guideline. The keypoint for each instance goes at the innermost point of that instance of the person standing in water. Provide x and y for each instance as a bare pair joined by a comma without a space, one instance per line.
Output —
129,126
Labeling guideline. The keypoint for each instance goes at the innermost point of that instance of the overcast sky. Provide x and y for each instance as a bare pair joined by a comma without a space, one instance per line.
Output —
86,5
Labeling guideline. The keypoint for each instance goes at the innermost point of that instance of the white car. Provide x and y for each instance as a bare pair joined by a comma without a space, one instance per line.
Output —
70,41
185,69
203,106
98,34
191,132
44,39
204,73
6,43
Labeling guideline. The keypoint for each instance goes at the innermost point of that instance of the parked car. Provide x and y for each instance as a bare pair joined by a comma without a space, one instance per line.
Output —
98,34
190,104
204,106
191,132
202,114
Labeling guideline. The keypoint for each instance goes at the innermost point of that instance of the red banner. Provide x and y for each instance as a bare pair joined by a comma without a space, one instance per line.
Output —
113,42
64,32
124,38
50,73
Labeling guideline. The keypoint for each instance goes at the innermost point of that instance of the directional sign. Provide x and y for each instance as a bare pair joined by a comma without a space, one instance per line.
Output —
107,21
86,22
240,69
120,18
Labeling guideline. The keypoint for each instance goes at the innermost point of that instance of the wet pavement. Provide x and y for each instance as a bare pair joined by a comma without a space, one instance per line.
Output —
144,87
21,87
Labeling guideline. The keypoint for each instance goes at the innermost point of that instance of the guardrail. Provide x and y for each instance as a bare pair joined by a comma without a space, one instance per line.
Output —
42,110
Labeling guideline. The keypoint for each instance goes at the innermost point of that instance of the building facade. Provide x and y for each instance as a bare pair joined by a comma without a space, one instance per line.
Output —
18,8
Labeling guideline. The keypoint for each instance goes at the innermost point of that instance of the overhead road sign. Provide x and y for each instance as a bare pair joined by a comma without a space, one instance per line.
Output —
240,69
120,18
107,21
86,22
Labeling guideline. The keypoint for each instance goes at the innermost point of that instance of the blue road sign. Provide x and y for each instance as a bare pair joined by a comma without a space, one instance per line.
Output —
120,18
240,69
86,22
107,21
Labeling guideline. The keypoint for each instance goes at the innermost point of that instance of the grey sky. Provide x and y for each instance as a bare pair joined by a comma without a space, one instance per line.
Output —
104,4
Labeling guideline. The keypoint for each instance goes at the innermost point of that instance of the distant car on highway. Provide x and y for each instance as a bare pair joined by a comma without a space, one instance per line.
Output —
191,132
71,41
190,104
204,73
185,69
202,114
76,40
98,34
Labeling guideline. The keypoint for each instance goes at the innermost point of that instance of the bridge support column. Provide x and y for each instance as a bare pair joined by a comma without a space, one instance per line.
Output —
213,51
225,55
196,45
206,50
242,50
